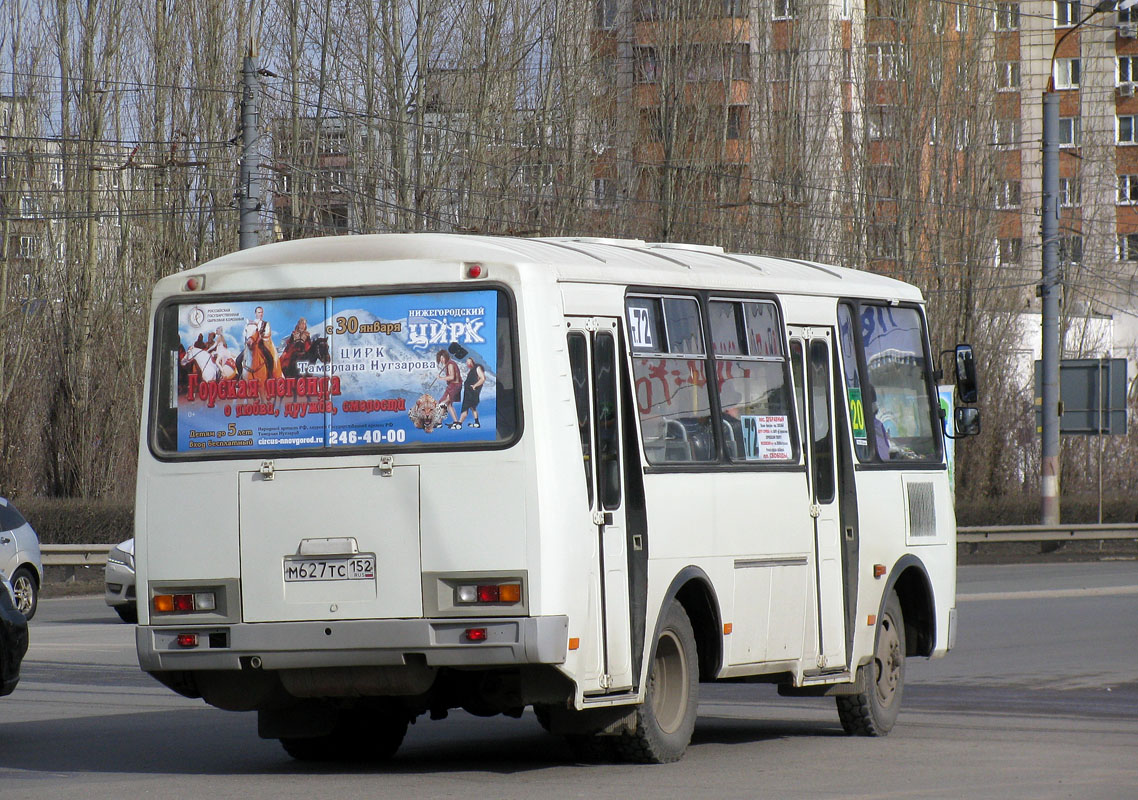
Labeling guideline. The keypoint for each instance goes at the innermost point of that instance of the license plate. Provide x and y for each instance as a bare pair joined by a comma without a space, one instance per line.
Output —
360,567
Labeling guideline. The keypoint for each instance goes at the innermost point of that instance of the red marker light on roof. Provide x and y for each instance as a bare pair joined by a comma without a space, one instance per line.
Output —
475,270
194,283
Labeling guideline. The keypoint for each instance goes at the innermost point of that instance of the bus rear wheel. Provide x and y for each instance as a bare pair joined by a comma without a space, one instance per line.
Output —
357,736
666,719
873,712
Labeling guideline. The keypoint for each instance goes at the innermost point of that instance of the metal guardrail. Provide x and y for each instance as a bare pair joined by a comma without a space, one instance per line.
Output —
95,555
75,555
1046,533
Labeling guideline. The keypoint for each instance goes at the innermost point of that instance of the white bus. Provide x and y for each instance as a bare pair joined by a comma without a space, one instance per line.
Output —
387,476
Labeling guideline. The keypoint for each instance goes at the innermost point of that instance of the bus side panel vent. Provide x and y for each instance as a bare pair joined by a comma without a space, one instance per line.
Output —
922,511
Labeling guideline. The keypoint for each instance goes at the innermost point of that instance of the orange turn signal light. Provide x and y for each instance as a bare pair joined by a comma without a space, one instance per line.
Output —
164,602
510,593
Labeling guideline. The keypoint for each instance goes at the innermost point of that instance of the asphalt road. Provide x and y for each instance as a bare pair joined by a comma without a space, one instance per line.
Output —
1039,700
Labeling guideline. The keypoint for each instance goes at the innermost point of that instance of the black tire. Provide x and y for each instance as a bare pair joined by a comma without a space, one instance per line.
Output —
358,736
873,712
26,589
128,613
666,718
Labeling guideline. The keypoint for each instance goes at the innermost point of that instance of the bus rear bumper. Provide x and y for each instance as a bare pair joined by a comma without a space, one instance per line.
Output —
343,643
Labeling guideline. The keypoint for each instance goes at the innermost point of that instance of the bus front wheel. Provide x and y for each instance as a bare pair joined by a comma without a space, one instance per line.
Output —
873,711
666,719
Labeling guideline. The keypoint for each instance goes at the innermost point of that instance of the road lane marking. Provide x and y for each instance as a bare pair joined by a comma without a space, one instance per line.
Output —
1044,594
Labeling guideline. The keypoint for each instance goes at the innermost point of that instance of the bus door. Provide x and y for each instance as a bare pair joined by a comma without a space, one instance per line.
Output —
594,358
812,358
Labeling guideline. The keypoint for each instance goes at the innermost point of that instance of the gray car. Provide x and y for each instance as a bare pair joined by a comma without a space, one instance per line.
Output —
20,558
120,581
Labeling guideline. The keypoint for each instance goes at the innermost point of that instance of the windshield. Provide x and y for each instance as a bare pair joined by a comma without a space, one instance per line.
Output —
319,372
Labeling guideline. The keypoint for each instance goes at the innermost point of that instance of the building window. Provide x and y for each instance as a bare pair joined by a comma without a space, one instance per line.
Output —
1128,247
1007,76
55,174
962,12
740,61
1127,190
537,174
647,64
1070,249
963,134
1066,13
29,207
604,193
936,17
1070,195
735,122
735,8
28,247
1007,16
882,123
1010,251
1128,15
785,9
883,61
1071,131
782,65
1007,133
1126,129
1008,194
605,13
1127,69
882,241
1067,73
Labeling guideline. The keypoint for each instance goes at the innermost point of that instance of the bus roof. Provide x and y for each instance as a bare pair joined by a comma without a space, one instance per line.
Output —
584,259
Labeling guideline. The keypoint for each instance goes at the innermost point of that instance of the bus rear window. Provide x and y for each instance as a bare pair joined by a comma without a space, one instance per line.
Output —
310,374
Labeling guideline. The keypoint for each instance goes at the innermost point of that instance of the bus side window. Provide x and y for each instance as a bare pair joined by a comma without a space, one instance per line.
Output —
608,432
579,372
669,371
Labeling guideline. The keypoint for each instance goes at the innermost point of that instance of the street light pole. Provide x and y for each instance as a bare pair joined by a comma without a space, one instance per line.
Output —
1051,284
249,191
1049,291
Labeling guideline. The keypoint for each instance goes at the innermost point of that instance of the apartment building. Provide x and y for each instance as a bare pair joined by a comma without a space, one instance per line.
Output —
1090,58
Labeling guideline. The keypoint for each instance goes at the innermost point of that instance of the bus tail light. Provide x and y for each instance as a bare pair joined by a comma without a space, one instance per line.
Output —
475,634
509,593
184,602
187,640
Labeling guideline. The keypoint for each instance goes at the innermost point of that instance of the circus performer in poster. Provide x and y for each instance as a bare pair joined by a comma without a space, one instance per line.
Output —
472,392
222,355
259,359
452,392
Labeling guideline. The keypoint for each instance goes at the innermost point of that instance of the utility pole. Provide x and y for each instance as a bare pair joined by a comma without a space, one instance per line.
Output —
1051,285
1049,291
249,193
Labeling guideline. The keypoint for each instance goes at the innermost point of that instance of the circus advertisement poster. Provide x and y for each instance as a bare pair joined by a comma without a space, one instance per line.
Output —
340,371
252,375
415,368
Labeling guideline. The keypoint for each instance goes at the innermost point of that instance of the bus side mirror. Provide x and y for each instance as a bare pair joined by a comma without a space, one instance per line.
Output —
967,421
966,375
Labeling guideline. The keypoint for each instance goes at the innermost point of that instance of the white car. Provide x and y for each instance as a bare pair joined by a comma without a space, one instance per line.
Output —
20,558
120,581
